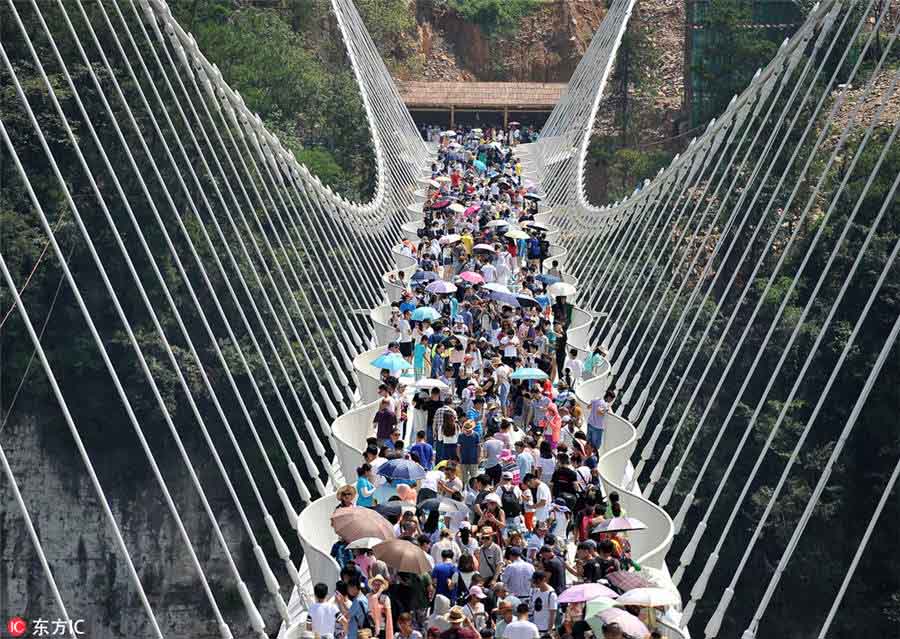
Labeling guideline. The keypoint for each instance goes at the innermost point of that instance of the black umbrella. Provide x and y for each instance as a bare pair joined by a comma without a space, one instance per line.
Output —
444,504
393,509
534,197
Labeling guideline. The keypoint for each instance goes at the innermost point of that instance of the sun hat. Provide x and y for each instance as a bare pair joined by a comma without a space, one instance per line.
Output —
456,615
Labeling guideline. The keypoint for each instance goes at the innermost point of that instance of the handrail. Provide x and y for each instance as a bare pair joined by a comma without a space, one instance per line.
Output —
369,376
650,546
350,431
317,540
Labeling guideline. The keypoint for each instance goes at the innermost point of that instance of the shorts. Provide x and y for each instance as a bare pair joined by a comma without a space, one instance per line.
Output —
495,473
406,348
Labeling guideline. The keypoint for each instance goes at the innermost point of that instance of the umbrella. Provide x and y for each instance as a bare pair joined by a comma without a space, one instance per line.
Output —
434,183
441,287
534,197
627,622
497,288
487,248
537,226
649,598
473,209
393,510
516,234
529,373
403,556
586,592
472,277
422,276
430,382
625,581
547,279
505,298
456,207
450,239
480,166
513,124
441,205
425,313
562,289
444,505
401,469
527,300
443,178
596,606
365,542
355,523
619,524
493,223
392,362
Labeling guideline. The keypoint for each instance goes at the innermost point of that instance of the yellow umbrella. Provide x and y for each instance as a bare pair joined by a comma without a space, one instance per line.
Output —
517,234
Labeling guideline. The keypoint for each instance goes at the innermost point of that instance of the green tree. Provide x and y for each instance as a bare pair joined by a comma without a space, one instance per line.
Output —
731,53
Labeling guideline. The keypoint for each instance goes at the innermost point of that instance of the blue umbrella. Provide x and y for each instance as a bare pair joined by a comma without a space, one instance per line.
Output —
392,362
480,166
547,279
505,298
425,313
426,276
401,469
529,373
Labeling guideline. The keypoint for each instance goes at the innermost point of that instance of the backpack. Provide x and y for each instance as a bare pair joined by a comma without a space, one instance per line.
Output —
508,502
368,620
448,427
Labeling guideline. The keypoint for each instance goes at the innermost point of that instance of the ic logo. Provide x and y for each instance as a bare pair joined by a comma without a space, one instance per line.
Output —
16,626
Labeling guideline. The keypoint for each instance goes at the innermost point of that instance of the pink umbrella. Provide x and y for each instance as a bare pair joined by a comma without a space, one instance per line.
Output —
441,205
586,592
627,622
472,277
487,248
473,209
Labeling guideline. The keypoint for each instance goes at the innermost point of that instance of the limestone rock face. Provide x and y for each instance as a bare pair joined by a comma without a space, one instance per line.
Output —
90,571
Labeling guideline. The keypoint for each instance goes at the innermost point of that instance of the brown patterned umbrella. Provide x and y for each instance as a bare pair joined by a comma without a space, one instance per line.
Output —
355,523
626,581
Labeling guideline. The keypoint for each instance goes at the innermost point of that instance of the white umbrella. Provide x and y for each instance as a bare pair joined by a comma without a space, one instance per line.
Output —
443,178
562,289
365,542
649,598
434,183
456,207
493,223
449,134
430,382
449,239
487,248
497,288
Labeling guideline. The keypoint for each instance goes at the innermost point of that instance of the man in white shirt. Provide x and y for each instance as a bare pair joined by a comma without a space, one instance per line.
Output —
544,603
444,543
404,331
574,365
521,628
322,614
489,272
542,497
510,345
517,575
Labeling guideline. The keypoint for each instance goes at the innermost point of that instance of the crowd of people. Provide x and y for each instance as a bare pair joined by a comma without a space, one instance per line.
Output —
498,489
511,135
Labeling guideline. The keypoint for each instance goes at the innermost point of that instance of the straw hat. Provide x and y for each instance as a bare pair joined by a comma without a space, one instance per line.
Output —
456,615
